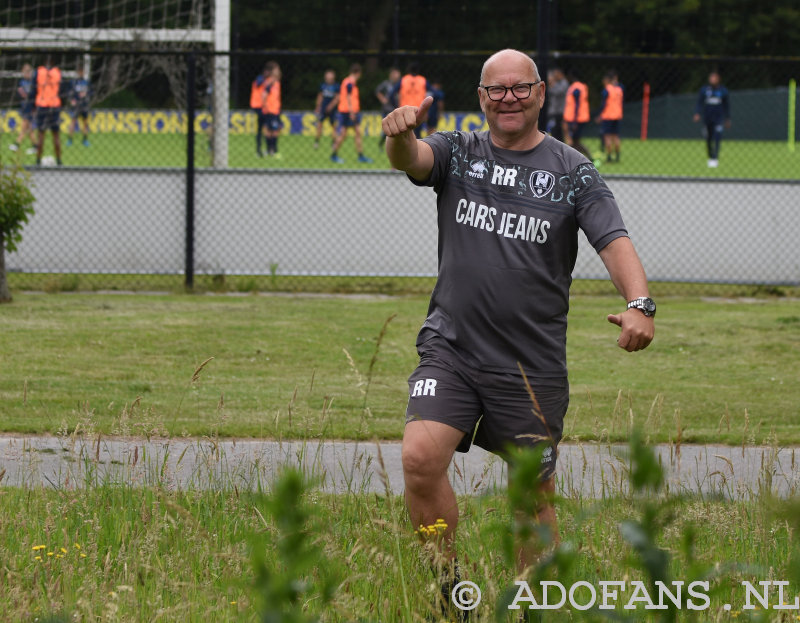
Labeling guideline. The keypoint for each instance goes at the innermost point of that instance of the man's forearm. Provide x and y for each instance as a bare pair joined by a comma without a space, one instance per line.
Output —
402,151
625,269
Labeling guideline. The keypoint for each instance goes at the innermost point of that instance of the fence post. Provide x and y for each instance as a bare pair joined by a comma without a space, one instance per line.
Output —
645,111
543,51
792,105
191,63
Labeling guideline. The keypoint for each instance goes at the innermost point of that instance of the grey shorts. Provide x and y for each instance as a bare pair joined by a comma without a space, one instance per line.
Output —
494,410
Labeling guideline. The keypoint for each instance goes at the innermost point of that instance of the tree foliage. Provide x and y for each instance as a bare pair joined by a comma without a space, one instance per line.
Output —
691,27
16,205
358,30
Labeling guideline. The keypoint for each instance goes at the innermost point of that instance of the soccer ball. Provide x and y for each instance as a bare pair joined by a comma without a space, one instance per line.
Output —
48,161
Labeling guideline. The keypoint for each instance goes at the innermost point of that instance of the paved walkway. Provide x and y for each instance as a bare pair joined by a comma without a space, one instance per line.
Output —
586,470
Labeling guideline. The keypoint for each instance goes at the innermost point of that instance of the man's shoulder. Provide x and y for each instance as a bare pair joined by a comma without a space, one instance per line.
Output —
550,154
461,138
465,136
557,157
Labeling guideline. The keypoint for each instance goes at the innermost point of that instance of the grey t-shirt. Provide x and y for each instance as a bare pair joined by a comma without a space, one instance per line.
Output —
557,98
385,88
508,239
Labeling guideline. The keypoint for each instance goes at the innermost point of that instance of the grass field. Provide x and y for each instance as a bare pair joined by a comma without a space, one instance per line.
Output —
681,158
249,284
329,367
295,367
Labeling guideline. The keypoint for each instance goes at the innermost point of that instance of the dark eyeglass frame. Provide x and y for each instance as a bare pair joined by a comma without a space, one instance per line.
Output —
530,86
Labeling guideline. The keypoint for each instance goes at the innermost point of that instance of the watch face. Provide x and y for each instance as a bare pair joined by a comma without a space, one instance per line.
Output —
646,305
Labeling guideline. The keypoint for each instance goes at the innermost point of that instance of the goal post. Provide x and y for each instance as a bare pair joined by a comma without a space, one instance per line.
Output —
35,37
221,82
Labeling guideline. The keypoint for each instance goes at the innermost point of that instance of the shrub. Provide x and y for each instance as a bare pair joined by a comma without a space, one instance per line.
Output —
16,205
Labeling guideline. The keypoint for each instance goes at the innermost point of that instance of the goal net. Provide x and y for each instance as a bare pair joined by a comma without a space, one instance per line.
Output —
129,41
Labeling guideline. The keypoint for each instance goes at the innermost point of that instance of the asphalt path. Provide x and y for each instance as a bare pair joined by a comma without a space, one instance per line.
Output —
588,470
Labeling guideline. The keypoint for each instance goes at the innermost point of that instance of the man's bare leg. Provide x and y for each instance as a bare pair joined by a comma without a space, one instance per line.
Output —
40,147
529,553
428,448
339,139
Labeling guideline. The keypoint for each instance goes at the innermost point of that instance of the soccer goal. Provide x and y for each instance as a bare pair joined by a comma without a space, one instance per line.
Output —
66,30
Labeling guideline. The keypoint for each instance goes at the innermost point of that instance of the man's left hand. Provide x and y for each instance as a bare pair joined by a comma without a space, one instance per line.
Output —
637,329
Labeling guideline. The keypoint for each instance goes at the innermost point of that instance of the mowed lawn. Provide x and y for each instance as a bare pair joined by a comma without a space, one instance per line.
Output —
305,366
681,158
335,367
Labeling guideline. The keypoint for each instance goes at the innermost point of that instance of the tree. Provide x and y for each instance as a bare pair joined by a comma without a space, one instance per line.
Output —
692,27
16,205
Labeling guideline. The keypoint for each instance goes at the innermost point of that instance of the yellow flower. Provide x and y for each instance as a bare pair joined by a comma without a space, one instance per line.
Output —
83,555
77,546
63,551
233,603
37,558
36,548
432,530
49,553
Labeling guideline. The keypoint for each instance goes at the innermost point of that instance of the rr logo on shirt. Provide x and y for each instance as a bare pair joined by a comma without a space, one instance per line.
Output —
504,177
424,387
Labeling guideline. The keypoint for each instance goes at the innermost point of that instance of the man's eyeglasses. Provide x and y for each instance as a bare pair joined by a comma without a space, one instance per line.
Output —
520,91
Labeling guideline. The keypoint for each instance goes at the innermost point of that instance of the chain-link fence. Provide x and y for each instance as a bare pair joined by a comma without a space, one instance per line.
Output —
148,196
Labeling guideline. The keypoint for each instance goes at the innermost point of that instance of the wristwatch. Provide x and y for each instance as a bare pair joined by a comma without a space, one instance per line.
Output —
644,304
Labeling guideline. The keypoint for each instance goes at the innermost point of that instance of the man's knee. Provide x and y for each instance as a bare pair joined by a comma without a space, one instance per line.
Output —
427,450
421,462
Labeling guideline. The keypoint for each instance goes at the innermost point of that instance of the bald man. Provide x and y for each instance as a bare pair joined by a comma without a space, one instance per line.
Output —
510,202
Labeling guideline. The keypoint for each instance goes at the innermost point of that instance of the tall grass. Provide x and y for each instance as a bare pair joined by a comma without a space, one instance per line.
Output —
144,553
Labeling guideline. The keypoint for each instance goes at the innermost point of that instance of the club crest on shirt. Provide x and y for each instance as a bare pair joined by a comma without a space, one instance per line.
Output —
541,183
